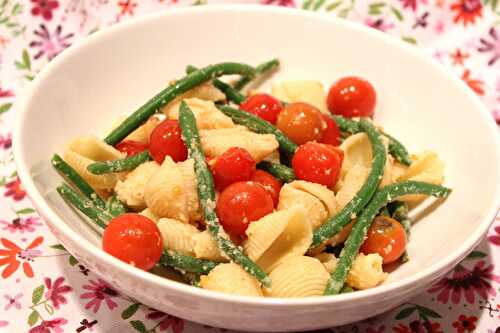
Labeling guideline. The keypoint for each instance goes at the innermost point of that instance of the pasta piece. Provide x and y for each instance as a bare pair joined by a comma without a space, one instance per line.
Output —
143,133
354,178
366,271
177,236
149,214
206,114
231,279
328,260
131,190
205,247
205,91
280,235
318,200
298,277
171,192
216,142
311,92
86,150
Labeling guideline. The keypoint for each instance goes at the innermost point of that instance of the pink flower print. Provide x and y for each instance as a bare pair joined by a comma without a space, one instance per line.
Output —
378,24
50,44
495,238
3,323
44,8
412,3
6,93
467,11
496,117
15,190
283,3
21,224
12,301
439,27
55,291
466,282
491,45
50,326
6,141
166,321
99,291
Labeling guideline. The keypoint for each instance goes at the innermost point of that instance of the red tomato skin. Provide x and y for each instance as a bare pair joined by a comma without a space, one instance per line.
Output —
242,203
166,139
264,106
270,184
331,134
318,163
134,239
386,237
234,165
352,97
130,147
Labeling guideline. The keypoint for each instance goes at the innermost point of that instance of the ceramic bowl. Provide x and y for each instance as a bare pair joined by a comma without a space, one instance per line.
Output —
90,85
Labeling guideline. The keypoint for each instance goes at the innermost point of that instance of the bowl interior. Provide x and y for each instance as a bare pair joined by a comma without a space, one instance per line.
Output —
86,89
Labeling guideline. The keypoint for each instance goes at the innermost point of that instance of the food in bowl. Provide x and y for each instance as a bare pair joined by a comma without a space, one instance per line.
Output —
288,194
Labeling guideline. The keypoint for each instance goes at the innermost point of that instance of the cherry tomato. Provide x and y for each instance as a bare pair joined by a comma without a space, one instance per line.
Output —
236,164
352,97
331,134
386,237
270,184
130,147
318,163
166,140
135,239
242,203
264,106
301,122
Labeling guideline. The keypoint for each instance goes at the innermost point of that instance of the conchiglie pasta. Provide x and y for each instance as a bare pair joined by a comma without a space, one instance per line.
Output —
86,150
328,260
171,192
278,236
307,91
216,142
231,279
318,200
366,271
205,91
205,247
206,114
143,132
351,183
149,214
177,236
131,190
298,277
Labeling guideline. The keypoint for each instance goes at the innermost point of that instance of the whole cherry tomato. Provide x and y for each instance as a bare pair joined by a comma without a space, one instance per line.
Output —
270,184
352,97
264,106
166,139
301,122
130,147
386,237
234,165
331,134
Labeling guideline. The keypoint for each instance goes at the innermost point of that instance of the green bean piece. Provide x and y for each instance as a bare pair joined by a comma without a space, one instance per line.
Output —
186,263
124,164
398,150
114,206
360,228
280,171
74,178
192,278
260,69
346,289
335,224
346,124
171,92
259,125
400,214
206,193
84,205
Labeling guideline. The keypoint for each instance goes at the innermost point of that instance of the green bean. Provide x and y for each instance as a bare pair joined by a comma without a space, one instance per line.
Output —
335,224
114,206
360,228
74,178
400,214
99,216
346,124
346,289
206,194
171,92
124,164
280,171
259,125
186,263
398,150
260,69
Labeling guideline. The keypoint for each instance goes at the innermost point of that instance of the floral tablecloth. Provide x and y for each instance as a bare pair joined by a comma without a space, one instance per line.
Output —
43,289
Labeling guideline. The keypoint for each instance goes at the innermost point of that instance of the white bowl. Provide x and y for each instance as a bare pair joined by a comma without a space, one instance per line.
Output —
112,72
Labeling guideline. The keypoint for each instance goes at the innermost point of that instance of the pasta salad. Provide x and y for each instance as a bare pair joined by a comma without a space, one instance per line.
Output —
295,193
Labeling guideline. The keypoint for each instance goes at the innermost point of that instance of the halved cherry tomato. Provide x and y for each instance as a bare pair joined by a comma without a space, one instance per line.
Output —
234,165
242,203
318,163
264,106
331,134
135,239
270,184
130,147
352,97
301,122
386,237
166,140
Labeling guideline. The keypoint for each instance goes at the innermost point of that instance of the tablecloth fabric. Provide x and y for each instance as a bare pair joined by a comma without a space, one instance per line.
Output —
43,289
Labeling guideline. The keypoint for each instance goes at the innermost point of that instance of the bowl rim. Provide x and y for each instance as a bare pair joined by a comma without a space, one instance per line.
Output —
157,281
